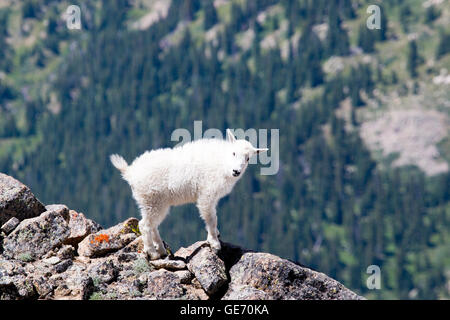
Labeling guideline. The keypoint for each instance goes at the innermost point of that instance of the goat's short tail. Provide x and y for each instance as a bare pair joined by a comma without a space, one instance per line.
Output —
119,162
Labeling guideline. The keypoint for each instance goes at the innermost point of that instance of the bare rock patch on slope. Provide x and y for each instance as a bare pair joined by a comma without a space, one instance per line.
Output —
412,134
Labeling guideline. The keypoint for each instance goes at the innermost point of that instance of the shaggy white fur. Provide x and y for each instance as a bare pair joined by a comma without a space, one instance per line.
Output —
201,172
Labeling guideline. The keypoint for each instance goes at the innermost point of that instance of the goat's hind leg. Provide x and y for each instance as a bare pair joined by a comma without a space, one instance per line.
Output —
147,238
158,217
158,243
152,216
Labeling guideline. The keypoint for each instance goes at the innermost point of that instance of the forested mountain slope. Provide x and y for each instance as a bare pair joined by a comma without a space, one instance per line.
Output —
362,117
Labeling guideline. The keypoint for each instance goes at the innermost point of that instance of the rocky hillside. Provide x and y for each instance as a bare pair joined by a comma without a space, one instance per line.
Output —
51,252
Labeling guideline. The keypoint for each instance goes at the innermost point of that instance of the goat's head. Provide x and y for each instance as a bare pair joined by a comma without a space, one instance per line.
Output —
239,154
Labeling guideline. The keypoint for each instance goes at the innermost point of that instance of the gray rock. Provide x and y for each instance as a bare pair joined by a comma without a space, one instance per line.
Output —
189,252
9,267
168,264
185,276
66,252
25,288
75,288
61,209
5,279
235,292
209,270
52,260
34,237
43,287
103,272
282,279
163,284
16,200
14,283
10,225
80,227
63,265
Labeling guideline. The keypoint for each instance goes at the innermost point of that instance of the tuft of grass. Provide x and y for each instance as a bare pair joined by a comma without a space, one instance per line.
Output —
96,296
25,257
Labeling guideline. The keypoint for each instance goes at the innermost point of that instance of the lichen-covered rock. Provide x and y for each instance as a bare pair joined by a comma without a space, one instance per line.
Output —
282,279
239,292
166,285
15,282
52,260
109,240
185,276
62,209
208,269
43,287
10,225
72,284
66,252
189,252
163,284
76,288
103,272
168,264
80,227
34,237
17,200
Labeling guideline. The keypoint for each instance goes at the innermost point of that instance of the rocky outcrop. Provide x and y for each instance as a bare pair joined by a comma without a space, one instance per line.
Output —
60,254
265,276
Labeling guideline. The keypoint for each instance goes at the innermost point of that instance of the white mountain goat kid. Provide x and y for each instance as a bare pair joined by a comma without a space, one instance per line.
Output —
202,172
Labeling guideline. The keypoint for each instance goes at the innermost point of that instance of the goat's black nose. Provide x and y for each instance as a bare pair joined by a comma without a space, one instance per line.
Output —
236,173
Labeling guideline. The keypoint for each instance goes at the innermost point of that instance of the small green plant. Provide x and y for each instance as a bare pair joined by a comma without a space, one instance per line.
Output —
25,257
136,230
130,226
96,296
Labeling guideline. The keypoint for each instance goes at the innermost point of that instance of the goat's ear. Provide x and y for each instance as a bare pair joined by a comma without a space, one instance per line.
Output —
230,136
259,150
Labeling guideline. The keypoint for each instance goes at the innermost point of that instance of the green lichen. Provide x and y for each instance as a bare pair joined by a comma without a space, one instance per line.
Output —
140,266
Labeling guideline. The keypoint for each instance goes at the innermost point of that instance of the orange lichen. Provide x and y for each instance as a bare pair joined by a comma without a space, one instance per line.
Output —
99,239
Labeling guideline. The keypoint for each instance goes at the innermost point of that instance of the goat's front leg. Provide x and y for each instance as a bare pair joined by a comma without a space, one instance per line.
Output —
208,213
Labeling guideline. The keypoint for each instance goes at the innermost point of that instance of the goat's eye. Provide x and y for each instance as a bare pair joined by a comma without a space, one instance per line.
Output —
246,159
234,153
